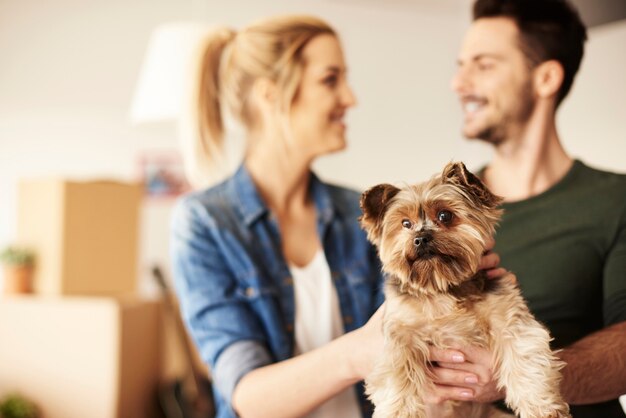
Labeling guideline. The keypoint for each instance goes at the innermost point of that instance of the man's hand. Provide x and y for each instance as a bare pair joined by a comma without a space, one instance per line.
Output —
461,374
490,261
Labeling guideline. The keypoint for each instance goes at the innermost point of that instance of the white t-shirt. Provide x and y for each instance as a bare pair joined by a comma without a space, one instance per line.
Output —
318,321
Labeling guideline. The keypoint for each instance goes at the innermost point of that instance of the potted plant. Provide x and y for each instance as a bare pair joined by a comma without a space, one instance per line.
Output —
18,269
16,406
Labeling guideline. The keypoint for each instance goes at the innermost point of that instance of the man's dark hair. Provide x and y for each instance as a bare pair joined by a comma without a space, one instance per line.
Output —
549,30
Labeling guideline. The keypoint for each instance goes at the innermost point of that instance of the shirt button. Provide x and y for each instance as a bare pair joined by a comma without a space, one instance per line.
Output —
288,281
335,275
347,319
289,327
250,292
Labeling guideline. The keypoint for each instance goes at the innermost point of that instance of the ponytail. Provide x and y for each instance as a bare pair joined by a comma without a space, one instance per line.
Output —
204,131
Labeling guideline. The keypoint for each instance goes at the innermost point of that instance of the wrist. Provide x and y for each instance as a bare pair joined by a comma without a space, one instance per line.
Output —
354,359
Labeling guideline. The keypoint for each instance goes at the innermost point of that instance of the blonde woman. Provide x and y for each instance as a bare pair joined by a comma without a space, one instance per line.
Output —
276,279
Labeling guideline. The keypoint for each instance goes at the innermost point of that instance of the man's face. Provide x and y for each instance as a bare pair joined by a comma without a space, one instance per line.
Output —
493,81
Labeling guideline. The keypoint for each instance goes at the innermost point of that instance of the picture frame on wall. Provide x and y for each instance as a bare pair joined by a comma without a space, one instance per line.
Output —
162,174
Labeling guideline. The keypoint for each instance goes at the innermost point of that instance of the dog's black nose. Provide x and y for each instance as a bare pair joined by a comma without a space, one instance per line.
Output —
422,240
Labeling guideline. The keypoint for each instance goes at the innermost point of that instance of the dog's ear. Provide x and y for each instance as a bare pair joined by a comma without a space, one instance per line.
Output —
458,174
374,203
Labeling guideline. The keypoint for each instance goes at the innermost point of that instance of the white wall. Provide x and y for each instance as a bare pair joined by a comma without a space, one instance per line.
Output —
68,69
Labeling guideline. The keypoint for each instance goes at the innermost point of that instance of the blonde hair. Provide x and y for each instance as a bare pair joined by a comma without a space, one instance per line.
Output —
229,64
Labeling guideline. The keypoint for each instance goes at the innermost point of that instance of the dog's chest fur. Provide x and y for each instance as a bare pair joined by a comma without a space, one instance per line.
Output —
444,319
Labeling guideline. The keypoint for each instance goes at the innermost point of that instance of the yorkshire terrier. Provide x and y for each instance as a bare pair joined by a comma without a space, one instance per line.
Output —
430,239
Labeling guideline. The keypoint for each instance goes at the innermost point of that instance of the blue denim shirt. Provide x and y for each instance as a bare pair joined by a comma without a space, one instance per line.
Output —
235,287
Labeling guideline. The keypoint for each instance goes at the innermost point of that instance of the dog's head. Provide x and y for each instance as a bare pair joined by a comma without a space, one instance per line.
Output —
431,235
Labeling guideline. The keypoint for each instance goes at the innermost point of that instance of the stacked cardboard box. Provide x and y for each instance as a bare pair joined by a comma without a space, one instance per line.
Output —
85,235
81,357
82,345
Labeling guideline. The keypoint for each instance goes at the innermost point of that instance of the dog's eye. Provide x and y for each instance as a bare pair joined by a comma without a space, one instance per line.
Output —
444,216
406,223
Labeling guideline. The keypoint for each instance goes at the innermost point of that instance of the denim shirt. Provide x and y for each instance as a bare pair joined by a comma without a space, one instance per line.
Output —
234,284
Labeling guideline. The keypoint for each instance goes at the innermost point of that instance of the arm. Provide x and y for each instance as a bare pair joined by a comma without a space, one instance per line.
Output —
296,386
596,366
595,370
232,339
213,303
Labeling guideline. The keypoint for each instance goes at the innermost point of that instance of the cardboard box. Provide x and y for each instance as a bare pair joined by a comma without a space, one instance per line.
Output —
81,357
85,235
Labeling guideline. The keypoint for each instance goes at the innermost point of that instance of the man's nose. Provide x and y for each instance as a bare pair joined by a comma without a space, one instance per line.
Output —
460,81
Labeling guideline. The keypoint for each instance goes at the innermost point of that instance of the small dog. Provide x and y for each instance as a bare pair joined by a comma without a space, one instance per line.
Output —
430,239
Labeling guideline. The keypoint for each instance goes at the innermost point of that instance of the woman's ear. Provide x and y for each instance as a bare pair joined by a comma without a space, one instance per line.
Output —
548,78
265,93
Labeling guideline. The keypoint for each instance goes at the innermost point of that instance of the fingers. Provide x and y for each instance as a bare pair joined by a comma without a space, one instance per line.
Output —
496,273
461,374
441,393
446,355
451,377
501,273
510,277
478,362
477,355
490,244
489,260
470,383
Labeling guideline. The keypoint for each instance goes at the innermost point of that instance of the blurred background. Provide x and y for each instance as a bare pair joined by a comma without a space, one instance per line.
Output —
71,72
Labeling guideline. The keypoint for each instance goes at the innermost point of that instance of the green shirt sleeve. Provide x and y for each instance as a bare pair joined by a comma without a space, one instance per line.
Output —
615,276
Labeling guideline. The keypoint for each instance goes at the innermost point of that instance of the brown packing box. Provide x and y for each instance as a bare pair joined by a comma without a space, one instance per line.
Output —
79,357
85,235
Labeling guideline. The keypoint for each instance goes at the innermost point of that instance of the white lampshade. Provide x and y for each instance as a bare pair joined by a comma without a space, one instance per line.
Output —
165,71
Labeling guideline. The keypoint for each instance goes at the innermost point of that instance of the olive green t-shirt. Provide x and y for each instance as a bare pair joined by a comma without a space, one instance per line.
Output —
567,247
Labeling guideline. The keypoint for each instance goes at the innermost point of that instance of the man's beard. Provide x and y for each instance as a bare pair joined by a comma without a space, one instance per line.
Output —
497,132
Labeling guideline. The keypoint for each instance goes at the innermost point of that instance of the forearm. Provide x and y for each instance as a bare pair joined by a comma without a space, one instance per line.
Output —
294,387
596,367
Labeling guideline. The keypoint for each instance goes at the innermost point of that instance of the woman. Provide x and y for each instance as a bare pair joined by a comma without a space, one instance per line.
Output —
276,279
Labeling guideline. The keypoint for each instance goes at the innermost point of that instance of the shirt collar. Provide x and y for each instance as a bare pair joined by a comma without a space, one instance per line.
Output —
251,207
249,202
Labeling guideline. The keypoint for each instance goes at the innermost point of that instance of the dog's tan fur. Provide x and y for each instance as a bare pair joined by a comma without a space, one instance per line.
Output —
436,297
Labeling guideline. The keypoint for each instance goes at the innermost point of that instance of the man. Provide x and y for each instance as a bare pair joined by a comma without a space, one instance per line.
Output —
564,228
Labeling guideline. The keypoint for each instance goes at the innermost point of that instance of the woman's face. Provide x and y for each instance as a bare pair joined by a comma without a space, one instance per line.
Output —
318,109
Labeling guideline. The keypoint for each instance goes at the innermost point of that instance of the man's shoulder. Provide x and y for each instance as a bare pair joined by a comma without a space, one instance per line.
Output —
600,190
603,177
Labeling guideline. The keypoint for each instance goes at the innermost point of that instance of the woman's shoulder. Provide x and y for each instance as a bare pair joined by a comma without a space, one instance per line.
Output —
345,199
208,204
